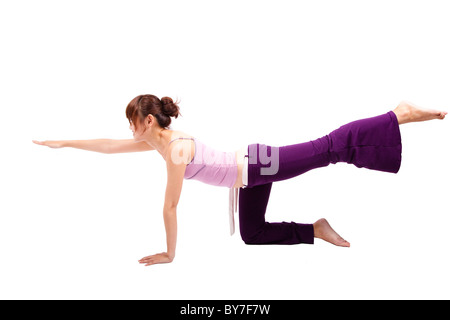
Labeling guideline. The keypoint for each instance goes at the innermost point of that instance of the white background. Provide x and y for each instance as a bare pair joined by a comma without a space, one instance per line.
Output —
73,224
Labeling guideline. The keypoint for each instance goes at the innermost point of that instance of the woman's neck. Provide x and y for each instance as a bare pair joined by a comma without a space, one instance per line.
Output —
159,139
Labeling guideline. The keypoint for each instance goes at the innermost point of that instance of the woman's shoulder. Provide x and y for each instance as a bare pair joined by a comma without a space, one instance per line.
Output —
181,147
177,135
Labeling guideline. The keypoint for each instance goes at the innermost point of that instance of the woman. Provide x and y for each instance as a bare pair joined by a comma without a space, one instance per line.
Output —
372,143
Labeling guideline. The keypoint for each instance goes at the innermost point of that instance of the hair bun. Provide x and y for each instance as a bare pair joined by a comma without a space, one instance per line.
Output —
170,108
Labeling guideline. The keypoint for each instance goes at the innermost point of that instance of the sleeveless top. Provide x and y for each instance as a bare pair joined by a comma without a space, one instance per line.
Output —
216,168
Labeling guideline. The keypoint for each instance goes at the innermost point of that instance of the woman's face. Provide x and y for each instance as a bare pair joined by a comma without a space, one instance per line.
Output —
137,134
142,131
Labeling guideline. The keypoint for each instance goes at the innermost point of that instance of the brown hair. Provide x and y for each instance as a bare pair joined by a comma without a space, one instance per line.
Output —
143,105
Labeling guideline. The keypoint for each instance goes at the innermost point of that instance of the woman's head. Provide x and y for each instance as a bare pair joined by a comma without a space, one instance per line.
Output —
148,111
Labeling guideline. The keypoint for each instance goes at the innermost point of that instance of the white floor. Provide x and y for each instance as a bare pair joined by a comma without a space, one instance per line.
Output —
74,224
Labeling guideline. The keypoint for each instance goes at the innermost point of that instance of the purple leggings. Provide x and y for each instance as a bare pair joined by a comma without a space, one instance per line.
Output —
372,143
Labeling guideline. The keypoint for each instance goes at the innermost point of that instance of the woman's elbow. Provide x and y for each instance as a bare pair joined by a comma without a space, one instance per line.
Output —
170,207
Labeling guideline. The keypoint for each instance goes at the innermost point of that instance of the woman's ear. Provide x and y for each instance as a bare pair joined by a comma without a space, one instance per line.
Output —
150,120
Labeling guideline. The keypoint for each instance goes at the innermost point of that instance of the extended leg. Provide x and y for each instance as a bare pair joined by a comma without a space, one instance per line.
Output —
372,143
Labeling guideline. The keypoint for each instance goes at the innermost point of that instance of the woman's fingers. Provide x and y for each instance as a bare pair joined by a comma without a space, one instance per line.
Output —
50,144
41,143
154,259
147,259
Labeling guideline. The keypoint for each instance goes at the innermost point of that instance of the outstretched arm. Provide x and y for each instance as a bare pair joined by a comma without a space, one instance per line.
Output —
99,145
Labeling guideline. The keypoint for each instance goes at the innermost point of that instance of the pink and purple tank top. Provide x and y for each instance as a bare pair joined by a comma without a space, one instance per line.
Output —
210,166
217,168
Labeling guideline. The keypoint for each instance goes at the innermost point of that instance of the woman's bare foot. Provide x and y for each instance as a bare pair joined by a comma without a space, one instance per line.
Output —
323,230
409,112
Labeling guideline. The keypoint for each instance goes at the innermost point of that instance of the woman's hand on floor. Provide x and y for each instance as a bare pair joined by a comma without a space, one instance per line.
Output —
162,257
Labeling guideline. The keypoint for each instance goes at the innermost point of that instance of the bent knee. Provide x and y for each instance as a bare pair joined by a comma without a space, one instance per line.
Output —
250,241
251,237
